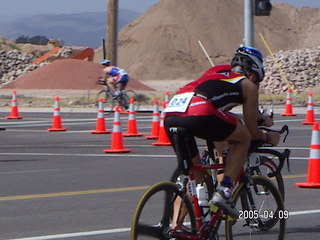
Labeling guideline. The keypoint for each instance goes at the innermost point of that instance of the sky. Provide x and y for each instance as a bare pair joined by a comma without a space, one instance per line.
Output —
14,8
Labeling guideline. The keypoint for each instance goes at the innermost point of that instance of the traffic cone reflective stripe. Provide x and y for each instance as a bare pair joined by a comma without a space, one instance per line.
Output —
163,139
117,145
313,177
101,122
310,112
155,125
132,130
14,107
288,111
167,97
56,123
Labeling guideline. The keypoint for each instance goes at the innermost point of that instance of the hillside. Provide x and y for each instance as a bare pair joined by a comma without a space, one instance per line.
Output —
164,40
79,29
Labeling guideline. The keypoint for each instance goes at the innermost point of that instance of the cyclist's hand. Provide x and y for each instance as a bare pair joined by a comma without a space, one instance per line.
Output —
274,138
268,121
101,81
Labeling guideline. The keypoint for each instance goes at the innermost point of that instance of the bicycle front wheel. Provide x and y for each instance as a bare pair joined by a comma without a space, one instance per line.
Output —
108,102
159,211
268,166
262,213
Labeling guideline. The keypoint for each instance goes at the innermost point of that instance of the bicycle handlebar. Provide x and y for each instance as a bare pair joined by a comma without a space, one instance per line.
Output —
284,129
281,156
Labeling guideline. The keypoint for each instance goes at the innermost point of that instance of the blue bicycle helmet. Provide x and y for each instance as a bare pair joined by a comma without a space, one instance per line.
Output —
250,60
105,62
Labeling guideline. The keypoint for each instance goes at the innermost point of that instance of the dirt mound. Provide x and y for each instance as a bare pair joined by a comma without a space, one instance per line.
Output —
67,74
164,40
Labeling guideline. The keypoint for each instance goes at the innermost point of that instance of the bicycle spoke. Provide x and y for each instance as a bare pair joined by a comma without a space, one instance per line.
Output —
259,207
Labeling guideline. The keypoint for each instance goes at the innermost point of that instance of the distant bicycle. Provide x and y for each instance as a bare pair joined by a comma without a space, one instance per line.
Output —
122,100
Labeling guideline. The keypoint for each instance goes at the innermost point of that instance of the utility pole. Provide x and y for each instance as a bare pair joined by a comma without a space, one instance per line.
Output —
112,32
248,23
253,8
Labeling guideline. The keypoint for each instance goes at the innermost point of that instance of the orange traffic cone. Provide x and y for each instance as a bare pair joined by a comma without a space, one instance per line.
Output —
132,123
310,112
14,107
101,122
163,139
289,111
117,138
167,97
56,123
313,178
155,121
122,110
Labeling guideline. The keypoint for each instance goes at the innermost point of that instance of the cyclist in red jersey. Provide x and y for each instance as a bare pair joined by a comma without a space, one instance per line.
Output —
201,107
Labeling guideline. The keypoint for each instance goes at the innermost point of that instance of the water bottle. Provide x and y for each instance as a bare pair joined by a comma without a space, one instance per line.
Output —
202,193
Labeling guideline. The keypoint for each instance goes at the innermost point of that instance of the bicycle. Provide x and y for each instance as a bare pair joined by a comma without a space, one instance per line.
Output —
262,160
262,209
122,100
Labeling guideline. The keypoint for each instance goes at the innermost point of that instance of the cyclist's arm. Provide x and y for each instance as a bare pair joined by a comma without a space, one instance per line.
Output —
250,109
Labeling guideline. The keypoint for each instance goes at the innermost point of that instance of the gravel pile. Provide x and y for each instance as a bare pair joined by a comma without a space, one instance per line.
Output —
300,67
14,63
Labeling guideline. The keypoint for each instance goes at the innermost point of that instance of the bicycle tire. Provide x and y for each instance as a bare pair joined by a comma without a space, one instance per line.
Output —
143,227
271,166
258,228
133,95
108,102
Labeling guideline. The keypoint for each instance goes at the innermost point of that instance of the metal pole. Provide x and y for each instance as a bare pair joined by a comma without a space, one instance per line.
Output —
104,48
112,31
248,23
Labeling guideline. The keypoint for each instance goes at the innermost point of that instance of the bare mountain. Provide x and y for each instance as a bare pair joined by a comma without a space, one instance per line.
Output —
80,29
163,42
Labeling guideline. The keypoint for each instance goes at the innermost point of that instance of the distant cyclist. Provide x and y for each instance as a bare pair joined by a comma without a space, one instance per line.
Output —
115,77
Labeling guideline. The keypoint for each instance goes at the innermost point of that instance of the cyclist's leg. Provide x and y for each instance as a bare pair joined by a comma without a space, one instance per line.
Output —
240,143
123,82
111,85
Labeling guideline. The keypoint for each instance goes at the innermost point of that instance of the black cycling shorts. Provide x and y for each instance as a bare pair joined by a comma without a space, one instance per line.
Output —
200,120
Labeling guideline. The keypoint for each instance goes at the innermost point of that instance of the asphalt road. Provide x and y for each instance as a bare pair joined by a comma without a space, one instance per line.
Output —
60,185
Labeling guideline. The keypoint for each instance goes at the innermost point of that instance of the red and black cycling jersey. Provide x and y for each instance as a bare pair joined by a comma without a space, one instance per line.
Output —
220,86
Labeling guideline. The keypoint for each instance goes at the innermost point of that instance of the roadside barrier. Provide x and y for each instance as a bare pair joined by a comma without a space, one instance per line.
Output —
101,122
132,130
56,122
155,125
14,107
313,177
163,139
117,145
288,111
310,112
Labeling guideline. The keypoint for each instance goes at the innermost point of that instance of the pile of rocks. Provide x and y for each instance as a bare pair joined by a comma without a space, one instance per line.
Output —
301,68
14,63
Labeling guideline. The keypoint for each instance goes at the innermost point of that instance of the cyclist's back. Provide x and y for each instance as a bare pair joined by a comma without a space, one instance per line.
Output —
114,76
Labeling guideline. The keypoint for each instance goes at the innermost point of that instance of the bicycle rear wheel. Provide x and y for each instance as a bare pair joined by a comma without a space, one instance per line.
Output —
157,211
262,214
133,95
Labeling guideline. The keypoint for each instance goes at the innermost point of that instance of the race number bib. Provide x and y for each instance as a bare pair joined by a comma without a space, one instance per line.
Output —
179,103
